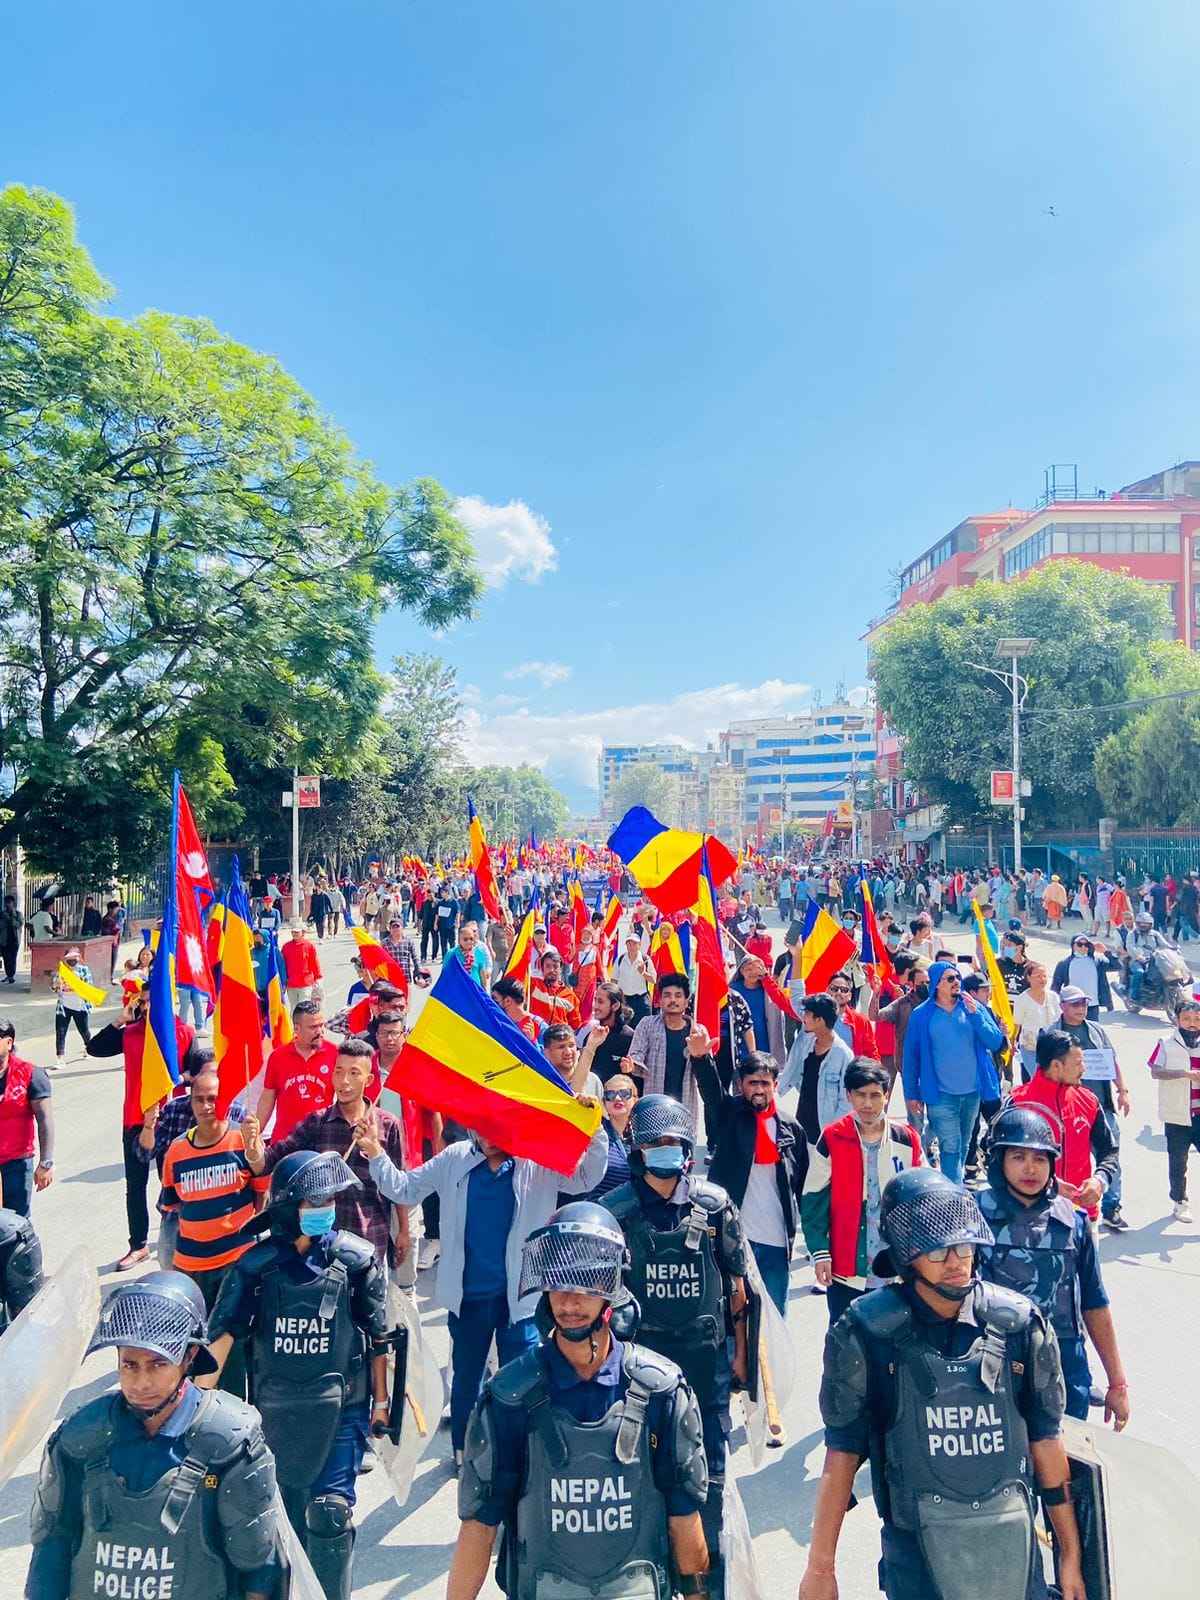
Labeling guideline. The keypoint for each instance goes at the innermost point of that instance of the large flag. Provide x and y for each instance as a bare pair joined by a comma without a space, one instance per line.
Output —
481,866
874,951
237,1020
579,910
377,961
826,949
712,980
671,948
1000,1002
70,979
465,1059
160,1052
666,861
277,1023
608,936
193,896
518,963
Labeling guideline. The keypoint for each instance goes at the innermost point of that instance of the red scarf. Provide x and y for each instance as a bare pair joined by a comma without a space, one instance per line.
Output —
766,1151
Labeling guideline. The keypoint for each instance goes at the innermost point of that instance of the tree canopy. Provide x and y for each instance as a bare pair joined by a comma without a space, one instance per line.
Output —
192,558
517,801
1147,772
643,784
1098,633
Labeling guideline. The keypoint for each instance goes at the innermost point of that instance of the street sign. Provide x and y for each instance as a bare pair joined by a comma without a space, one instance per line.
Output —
1003,788
308,793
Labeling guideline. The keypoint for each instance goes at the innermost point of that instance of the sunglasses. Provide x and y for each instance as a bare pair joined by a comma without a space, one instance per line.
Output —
945,1251
618,1094
838,988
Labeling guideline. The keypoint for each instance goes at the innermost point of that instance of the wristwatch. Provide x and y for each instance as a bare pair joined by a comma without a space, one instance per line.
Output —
46,1165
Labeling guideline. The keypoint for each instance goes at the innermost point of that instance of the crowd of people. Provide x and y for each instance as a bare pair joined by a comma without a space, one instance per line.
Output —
620,1299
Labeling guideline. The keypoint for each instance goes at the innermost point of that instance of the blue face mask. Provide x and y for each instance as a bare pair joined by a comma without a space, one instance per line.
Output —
314,1223
665,1161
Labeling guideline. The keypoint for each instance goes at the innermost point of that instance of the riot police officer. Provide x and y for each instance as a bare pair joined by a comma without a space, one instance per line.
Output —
162,1489
1044,1249
953,1388
588,1448
687,1267
313,1303
20,1265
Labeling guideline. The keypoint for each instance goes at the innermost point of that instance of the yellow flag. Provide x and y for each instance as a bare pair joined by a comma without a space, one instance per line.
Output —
1001,1004
86,991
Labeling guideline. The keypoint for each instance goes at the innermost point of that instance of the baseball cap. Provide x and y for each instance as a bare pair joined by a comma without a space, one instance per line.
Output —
1070,993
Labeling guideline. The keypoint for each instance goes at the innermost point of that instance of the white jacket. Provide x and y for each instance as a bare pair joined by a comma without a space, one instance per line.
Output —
1170,1064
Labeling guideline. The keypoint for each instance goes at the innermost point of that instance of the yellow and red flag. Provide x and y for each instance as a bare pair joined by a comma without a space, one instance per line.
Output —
666,861
826,949
712,980
481,866
518,963
237,1020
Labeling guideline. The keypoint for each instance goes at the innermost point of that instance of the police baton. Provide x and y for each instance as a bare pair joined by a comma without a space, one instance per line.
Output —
397,1341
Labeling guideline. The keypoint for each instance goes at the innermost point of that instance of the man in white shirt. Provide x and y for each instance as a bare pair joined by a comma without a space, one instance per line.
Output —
634,974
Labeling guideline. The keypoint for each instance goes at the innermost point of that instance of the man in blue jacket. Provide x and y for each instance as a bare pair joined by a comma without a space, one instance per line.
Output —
948,1065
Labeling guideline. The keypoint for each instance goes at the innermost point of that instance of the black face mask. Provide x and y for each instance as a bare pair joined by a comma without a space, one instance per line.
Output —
921,990
1190,1037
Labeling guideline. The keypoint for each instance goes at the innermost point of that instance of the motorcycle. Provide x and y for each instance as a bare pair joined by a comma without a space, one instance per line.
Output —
1168,979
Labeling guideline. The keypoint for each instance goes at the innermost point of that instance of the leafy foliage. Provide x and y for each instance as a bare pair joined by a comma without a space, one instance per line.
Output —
644,784
1097,633
186,545
1147,773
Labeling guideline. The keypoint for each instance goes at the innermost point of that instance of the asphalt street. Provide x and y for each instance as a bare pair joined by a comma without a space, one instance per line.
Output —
1152,1274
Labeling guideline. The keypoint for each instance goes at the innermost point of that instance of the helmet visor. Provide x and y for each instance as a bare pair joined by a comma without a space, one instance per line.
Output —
143,1320
585,1262
319,1180
659,1119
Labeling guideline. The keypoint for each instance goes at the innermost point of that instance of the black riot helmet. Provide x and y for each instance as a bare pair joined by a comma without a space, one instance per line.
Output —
921,1210
301,1178
1022,1127
581,1249
163,1312
659,1116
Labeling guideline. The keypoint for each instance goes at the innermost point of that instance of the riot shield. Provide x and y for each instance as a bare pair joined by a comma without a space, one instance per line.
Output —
772,1373
1136,1505
415,1384
40,1356
302,1582
742,1581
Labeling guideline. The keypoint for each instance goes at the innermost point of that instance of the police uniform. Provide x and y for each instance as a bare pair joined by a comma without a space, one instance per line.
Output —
189,1512
683,1253
1046,1251
20,1265
584,1472
308,1318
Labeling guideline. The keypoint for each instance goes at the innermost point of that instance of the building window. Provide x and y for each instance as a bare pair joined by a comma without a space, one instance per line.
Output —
1120,538
1029,552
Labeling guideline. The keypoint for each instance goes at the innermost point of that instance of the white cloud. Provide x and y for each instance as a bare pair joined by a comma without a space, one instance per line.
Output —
566,746
510,541
547,673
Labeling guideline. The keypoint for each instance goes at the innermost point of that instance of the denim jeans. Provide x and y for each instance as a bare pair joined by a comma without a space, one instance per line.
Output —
1137,976
62,1026
1112,1195
16,1184
193,1007
952,1119
773,1267
471,1335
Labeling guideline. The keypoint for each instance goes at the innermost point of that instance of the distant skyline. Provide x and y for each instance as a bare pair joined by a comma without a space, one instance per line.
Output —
711,317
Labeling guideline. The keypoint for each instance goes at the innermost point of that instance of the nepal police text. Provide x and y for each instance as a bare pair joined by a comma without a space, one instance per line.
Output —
965,1430
133,1571
301,1336
590,1505
673,1280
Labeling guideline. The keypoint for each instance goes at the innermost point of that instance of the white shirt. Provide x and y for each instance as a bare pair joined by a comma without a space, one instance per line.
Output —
1031,1017
761,1209
42,924
630,978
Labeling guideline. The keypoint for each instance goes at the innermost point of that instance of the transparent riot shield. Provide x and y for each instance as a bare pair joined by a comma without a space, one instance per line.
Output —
742,1580
1136,1504
302,1583
40,1355
772,1370
420,1379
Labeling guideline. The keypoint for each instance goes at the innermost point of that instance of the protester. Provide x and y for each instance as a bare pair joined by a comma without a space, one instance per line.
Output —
760,1159
667,1051
509,995
1175,1067
301,965
605,1041
1057,1086
1035,1008
400,947
490,1203
1103,1076
24,1107
766,1017
472,954
126,1037
948,1064
299,1074
70,1008
1081,970
816,1065
619,1098
634,976
851,1025
849,1167
550,999
11,926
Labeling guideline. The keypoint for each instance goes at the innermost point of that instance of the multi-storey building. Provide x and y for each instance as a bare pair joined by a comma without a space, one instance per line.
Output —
800,767
614,758
708,790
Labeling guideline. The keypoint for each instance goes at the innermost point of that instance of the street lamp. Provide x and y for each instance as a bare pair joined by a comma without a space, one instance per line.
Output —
1013,650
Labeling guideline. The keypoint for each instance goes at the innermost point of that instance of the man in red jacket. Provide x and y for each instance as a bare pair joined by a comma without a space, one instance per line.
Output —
301,967
851,1025
1085,1134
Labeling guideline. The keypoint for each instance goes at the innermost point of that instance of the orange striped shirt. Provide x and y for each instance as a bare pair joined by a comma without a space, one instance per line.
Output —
212,1190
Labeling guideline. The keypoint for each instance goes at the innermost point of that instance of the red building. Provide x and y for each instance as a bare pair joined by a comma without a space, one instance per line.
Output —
1148,530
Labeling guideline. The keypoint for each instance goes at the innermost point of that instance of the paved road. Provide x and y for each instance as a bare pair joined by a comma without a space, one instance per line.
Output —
1152,1274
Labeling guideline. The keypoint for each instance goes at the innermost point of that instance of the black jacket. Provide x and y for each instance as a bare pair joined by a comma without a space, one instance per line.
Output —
734,1157
1062,976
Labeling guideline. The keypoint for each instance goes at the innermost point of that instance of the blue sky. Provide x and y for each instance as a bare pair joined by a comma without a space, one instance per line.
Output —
714,313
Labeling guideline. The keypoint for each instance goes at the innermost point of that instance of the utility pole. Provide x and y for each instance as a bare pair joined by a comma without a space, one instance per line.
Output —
297,897
1013,650
782,810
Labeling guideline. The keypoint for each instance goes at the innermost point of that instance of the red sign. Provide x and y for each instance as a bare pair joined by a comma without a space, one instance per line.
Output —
1003,788
308,792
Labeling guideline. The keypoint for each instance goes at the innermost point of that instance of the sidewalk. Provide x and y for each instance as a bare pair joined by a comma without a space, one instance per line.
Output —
33,1014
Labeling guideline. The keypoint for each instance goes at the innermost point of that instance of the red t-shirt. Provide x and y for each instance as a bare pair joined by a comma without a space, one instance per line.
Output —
302,1084
300,963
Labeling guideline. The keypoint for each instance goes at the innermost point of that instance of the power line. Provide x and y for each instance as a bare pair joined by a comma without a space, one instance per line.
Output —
1116,705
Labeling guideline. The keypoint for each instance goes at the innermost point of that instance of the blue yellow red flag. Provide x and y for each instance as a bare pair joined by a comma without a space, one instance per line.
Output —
465,1059
826,948
160,1051
277,1023
712,980
481,866
874,951
237,1019
666,861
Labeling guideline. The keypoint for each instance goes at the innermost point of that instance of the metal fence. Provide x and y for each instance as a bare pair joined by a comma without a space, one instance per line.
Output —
1155,852
143,900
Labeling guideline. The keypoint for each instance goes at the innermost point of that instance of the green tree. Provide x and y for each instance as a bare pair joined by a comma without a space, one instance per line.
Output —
1096,631
644,784
517,801
192,559
1147,772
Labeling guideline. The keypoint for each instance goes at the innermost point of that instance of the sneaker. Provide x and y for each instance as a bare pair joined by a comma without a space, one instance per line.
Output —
777,1440
428,1254
1181,1211
59,1063
132,1258
1116,1222
819,1288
